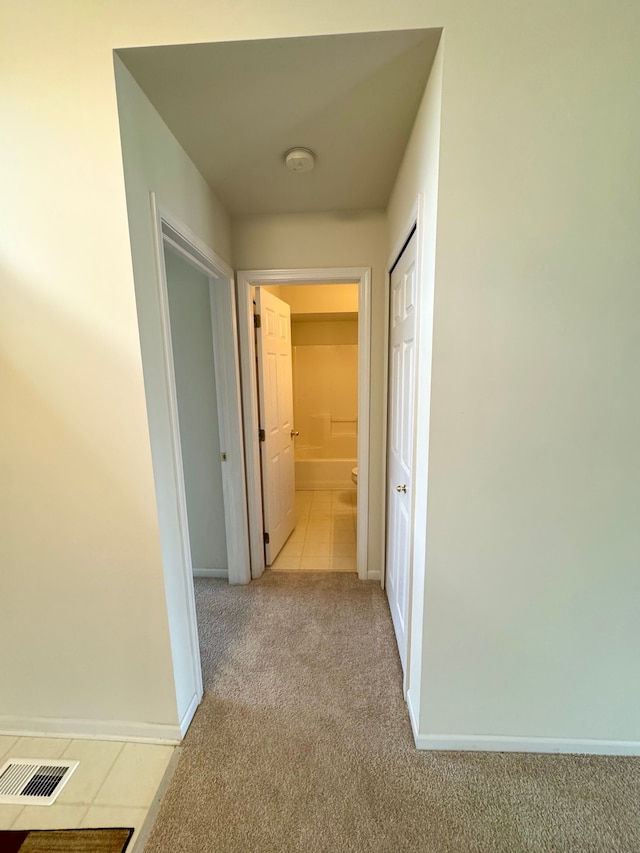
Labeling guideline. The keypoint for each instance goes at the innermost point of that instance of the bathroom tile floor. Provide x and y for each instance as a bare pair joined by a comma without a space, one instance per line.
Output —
115,784
324,538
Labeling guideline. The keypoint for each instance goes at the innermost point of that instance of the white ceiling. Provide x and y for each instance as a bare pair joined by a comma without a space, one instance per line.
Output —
237,107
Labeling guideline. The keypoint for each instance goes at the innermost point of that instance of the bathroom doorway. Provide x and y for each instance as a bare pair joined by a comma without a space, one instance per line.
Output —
323,440
330,334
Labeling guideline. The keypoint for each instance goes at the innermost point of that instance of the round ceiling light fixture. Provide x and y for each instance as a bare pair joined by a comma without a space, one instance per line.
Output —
300,160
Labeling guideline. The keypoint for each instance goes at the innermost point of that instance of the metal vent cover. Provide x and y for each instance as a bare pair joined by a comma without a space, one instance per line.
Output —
34,781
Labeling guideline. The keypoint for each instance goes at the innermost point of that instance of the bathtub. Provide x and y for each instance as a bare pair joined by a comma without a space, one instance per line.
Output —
325,474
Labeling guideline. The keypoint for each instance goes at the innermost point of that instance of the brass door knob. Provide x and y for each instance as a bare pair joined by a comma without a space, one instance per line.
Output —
401,489
295,432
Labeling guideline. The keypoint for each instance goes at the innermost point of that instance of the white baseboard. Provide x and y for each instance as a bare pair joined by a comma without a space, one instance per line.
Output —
185,722
211,573
491,743
373,575
76,729
496,743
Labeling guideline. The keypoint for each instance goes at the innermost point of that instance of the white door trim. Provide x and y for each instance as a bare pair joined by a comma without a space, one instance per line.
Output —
246,281
414,221
169,229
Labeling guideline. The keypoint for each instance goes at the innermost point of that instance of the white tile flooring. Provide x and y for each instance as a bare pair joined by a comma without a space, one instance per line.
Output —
324,538
115,784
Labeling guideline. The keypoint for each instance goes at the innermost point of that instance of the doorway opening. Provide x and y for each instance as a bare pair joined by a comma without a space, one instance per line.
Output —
197,305
323,390
331,467
204,446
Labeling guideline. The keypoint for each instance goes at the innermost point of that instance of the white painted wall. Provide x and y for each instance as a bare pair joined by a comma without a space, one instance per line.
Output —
415,194
531,585
531,573
83,616
154,161
330,240
192,346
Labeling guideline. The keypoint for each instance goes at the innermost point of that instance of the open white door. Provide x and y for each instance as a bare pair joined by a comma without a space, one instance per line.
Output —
275,396
402,351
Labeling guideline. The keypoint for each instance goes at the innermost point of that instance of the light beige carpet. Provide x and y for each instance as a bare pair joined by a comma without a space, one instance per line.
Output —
302,743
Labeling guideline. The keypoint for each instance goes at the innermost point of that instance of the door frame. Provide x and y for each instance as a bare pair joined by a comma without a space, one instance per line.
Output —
168,229
415,221
247,280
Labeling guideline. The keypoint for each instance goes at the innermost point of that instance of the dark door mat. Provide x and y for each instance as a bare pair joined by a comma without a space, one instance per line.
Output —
65,840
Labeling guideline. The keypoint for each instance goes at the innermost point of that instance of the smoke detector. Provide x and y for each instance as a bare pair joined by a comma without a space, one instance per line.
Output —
300,160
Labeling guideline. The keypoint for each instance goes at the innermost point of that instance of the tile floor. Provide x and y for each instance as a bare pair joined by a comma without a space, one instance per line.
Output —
115,784
324,538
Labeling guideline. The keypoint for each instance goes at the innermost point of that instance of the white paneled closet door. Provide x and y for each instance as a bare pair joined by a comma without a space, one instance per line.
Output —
402,359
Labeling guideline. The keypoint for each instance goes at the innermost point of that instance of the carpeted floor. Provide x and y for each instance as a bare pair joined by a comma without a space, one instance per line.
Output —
302,743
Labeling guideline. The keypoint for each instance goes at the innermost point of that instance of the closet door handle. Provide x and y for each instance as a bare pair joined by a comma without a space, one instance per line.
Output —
295,432
402,489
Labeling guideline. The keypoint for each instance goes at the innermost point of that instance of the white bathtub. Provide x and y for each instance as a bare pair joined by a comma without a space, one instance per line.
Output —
325,474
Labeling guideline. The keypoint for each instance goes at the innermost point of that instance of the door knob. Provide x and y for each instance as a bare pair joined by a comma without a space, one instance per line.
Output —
401,489
295,432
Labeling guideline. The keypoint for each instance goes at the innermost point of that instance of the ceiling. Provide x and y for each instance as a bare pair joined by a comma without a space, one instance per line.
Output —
237,107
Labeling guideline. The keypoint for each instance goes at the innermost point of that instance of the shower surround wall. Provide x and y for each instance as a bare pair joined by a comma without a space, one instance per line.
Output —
325,379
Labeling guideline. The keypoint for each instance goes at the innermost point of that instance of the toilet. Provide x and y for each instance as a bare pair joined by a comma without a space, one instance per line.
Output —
354,475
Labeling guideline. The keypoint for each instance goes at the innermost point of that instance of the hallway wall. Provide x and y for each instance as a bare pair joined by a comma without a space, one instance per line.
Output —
526,536
154,161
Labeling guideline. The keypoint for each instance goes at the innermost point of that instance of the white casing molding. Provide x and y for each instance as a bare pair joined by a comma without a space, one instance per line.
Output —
413,716
178,573
192,707
247,280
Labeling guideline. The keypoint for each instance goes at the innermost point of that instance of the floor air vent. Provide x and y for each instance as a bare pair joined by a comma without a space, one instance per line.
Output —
34,781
